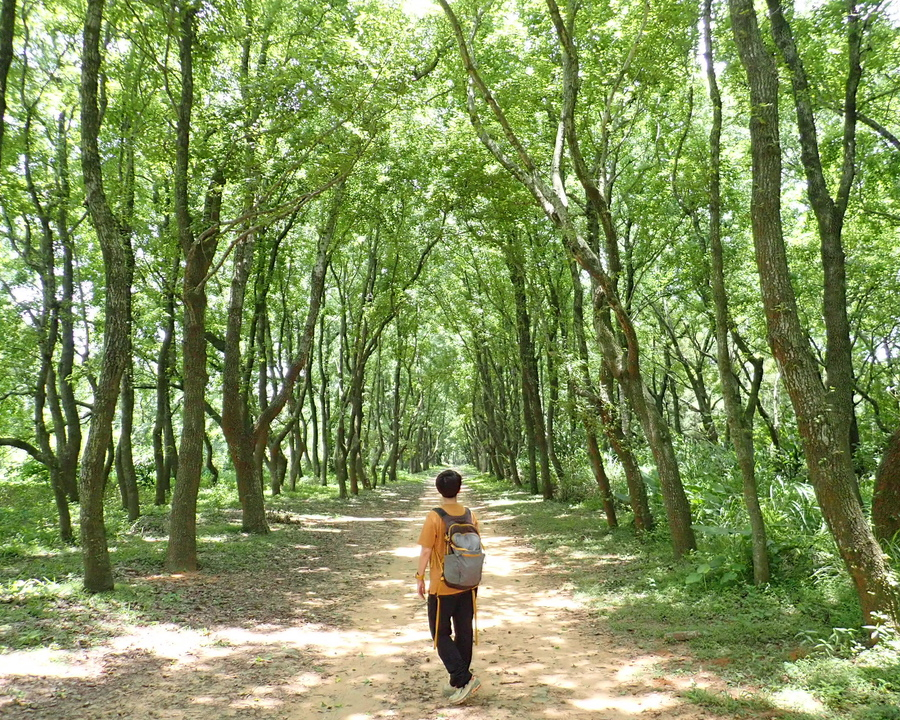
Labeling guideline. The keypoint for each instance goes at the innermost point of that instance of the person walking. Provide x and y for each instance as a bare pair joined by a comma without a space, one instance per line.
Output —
445,603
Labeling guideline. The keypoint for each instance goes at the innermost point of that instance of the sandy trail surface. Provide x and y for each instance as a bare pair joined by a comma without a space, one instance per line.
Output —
541,655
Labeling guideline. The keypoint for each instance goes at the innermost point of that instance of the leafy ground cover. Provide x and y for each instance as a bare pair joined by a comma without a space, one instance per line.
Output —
792,649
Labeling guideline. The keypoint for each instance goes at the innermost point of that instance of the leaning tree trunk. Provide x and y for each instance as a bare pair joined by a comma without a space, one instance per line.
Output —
829,212
625,365
824,441
639,499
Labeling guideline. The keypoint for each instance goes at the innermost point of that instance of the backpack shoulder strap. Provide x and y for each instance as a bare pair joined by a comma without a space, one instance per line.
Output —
441,512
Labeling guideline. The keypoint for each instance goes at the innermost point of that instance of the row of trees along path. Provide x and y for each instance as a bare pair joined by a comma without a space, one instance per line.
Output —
343,238
342,635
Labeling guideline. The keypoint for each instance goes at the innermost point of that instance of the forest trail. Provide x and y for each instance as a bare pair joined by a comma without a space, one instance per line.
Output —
540,655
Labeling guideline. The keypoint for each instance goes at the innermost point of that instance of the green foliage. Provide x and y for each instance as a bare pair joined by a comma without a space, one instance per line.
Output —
27,522
748,635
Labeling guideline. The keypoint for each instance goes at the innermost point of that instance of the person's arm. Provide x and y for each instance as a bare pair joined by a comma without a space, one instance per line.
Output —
424,558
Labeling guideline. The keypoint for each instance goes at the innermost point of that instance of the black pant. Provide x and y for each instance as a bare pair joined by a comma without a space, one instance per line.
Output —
455,653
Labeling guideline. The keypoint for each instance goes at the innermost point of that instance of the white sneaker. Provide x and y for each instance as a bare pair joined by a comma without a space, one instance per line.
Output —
463,693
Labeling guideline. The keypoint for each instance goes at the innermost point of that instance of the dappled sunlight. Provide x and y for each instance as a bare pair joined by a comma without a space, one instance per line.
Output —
322,530
627,704
371,656
410,551
313,519
385,583
180,645
44,662
797,699
638,668
506,502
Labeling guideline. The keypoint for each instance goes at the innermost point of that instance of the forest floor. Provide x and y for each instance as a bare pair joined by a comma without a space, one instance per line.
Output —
330,627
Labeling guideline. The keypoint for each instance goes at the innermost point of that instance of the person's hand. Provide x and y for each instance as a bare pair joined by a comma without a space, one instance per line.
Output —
420,587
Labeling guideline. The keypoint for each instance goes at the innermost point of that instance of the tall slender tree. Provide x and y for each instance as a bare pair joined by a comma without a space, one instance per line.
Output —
113,236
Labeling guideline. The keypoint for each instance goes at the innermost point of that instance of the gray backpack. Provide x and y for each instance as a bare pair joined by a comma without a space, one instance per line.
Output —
464,557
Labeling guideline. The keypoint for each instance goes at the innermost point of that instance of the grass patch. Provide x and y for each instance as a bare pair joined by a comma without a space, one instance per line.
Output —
42,603
777,647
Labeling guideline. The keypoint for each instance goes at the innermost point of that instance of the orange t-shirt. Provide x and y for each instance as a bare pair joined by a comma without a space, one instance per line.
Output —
432,536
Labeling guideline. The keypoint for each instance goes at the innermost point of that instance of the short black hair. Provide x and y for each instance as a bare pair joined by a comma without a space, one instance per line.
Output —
448,483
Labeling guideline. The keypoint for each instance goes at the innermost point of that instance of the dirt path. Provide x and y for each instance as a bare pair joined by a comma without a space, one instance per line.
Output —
540,655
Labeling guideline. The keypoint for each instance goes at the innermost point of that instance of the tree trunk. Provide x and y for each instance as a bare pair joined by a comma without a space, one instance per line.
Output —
117,273
740,422
886,497
340,458
531,394
829,212
7,28
68,442
639,497
198,253
609,506
210,464
236,421
164,451
313,443
125,472
47,329
553,362
394,451
324,404
824,440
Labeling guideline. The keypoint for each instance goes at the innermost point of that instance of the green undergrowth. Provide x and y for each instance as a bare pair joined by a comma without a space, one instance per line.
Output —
42,603
792,649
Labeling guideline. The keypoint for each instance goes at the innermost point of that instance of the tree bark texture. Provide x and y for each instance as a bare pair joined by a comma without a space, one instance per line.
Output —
68,440
125,472
830,212
112,237
7,29
181,554
165,453
886,498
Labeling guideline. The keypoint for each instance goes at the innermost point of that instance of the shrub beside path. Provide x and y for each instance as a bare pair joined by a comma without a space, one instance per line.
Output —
345,637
